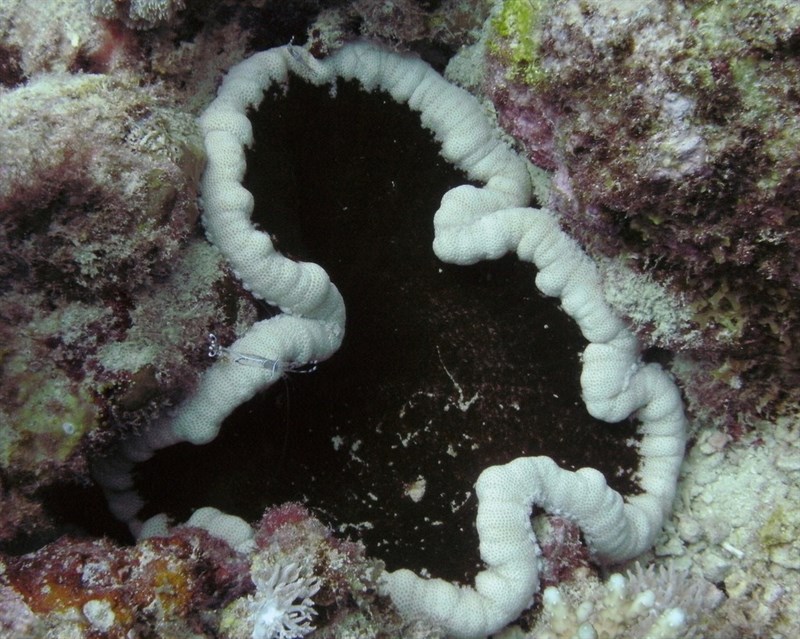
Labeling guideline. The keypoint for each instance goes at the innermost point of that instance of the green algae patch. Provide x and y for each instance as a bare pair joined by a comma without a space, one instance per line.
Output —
54,415
516,39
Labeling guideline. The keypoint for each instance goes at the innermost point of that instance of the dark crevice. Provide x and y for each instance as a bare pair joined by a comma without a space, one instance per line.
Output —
444,370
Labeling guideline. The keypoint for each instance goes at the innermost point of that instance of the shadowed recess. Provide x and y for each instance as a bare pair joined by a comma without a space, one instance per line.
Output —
444,370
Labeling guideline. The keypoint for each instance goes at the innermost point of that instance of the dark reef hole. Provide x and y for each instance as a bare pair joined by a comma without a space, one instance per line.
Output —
444,370
67,508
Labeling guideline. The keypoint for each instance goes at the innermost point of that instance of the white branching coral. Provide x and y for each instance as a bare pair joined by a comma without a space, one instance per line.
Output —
661,603
281,607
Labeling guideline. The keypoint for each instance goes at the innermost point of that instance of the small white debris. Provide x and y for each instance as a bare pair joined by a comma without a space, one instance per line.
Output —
739,554
416,489
99,614
462,403
357,527
456,506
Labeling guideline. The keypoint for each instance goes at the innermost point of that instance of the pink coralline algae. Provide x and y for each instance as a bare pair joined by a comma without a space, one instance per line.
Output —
166,585
187,583
16,617
563,552
290,532
306,576
106,293
672,130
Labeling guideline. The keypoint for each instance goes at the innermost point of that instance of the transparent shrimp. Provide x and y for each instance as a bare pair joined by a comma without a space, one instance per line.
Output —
217,350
